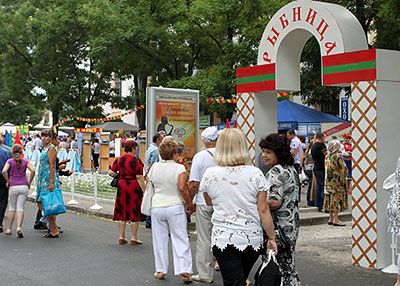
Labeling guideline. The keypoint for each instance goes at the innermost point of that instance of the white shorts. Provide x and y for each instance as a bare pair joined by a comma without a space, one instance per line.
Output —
17,197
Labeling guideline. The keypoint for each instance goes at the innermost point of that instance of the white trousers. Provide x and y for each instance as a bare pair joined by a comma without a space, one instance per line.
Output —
173,220
204,257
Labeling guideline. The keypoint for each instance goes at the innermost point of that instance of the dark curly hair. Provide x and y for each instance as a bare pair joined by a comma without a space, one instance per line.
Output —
280,145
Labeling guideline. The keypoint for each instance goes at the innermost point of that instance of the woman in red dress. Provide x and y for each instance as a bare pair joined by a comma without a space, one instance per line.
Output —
129,192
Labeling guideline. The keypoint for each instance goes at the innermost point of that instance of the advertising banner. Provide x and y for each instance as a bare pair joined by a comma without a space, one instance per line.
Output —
88,130
286,125
176,112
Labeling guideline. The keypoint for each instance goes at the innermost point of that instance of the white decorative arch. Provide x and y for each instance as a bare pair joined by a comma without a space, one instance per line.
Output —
336,29
346,60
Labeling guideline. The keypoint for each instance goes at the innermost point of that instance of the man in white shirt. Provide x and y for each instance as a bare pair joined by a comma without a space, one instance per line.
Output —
37,143
111,146
295,149
201,162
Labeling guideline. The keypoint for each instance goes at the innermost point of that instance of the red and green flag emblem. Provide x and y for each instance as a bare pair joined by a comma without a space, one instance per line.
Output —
349,67
255,78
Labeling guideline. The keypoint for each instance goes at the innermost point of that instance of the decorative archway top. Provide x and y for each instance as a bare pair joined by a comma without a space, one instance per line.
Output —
336,29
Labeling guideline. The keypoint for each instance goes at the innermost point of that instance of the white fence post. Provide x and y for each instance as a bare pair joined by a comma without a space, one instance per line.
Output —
72,182
392,268
96,205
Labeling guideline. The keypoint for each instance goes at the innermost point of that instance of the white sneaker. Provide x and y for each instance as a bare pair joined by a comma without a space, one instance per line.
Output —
200,279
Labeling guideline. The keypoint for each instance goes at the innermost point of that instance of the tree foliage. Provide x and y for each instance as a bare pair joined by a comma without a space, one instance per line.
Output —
63,55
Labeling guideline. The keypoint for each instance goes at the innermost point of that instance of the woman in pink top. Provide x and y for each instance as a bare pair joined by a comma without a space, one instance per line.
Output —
14,172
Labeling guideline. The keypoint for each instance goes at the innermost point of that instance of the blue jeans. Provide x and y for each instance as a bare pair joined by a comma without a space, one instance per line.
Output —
319,190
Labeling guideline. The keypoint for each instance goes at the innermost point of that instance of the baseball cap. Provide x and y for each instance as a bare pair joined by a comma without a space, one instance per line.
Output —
209,134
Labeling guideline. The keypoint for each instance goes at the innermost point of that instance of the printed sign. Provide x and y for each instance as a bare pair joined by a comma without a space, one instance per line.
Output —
176,113
337,128
345,108
88,130
286,125
204,120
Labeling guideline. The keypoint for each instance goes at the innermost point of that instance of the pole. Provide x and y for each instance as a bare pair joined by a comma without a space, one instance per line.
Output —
72,201
96,205
392,268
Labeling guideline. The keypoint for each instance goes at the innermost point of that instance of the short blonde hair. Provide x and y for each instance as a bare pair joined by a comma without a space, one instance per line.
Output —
168,149
232,148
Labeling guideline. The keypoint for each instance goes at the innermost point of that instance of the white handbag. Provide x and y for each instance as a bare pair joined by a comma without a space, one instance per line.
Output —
147,198
302,176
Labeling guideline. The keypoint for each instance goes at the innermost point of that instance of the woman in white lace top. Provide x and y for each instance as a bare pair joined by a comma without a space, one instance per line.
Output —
237,191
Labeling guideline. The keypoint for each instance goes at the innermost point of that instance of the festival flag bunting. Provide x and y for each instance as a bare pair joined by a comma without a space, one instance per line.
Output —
17,139
7,138
98,120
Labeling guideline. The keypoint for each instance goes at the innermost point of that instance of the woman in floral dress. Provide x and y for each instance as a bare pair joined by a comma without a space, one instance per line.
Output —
335,183
48,177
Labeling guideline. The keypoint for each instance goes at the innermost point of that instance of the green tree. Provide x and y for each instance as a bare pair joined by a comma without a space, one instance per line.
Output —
18,103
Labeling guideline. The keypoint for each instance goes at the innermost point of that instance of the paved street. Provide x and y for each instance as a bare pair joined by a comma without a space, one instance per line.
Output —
87,254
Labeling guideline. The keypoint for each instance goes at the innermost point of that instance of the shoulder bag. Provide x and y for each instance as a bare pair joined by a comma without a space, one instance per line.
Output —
52,202
147,198
114,182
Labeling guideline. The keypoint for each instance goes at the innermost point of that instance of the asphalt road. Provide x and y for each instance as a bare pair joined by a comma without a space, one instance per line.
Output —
88,254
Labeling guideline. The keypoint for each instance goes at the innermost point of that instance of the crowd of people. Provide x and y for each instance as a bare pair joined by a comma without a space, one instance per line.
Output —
14,183
68,151
241,211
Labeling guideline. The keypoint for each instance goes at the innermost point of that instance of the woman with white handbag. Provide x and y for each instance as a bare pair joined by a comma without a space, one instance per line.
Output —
168,198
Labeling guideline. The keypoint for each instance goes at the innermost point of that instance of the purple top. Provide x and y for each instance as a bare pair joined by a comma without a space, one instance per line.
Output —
18,173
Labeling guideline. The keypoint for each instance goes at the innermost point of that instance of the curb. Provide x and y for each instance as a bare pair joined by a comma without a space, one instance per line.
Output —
82,210
319,218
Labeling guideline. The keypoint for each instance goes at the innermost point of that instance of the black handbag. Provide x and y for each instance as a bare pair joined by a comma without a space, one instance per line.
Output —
282,240
114,182
269,273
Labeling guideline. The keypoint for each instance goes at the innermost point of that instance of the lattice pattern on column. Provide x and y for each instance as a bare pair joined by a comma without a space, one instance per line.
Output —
364,197
245,119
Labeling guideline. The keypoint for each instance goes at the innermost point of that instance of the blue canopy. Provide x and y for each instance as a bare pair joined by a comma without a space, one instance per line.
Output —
289,111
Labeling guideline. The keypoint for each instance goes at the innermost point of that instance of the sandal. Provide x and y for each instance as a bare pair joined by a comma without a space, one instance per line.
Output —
49,235
136,241
159,275
186,278
7,232
20,234
122,241
338,224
